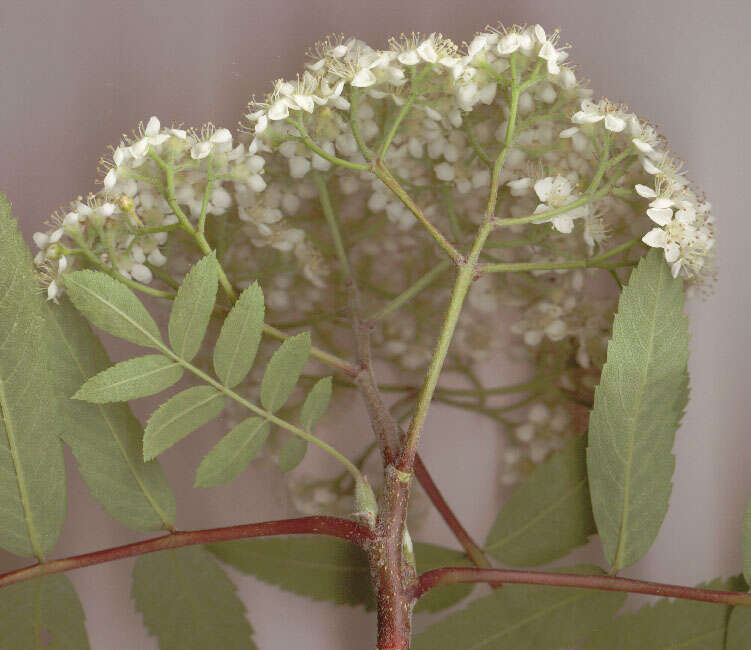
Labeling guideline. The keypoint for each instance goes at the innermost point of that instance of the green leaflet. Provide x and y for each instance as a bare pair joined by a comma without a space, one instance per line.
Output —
327,568
284,370
638,407
316,403
548,515
39,610
131,379
104,438
32,470
179,416
739,629
322,568
431,556
231,455
238,341
188,602
292,453
670,625
524,617
112,307
191,311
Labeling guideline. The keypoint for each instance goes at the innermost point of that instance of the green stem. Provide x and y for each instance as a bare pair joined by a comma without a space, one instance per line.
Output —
301,433
308,141
390,182
407,295
332,222
461,287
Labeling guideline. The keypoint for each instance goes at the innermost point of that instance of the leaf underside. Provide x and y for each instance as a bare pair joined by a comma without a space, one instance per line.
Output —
106,439
548,515
42,613
32,470
188,602
637,409
524,617
669,625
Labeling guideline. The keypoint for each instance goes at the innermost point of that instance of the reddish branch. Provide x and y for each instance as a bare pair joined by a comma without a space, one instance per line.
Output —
454,575
331,526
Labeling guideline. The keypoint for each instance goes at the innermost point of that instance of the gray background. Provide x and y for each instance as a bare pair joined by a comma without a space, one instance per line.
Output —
74,74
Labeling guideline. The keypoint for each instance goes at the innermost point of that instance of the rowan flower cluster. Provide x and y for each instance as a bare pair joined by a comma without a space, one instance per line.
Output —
383,142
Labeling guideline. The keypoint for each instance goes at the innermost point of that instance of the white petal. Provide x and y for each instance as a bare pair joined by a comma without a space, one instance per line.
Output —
544,187
645,191
363,79
139,149
110,179
153,126
567,133
119,156
508,44
563,224
279,110
672,252
181,134
261,125
675,269
53,291
614,123
642,146
221,136
656,238
661,216
540,33
478,44
662,202
649,166
200,150
41,239
427,51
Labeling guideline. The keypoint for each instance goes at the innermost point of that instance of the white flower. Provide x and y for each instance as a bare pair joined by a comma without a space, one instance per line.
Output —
221,140
110,179
200,150
363,79
508,44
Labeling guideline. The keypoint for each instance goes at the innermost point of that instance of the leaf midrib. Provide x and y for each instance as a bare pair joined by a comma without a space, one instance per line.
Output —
542,513
11,436
623,533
